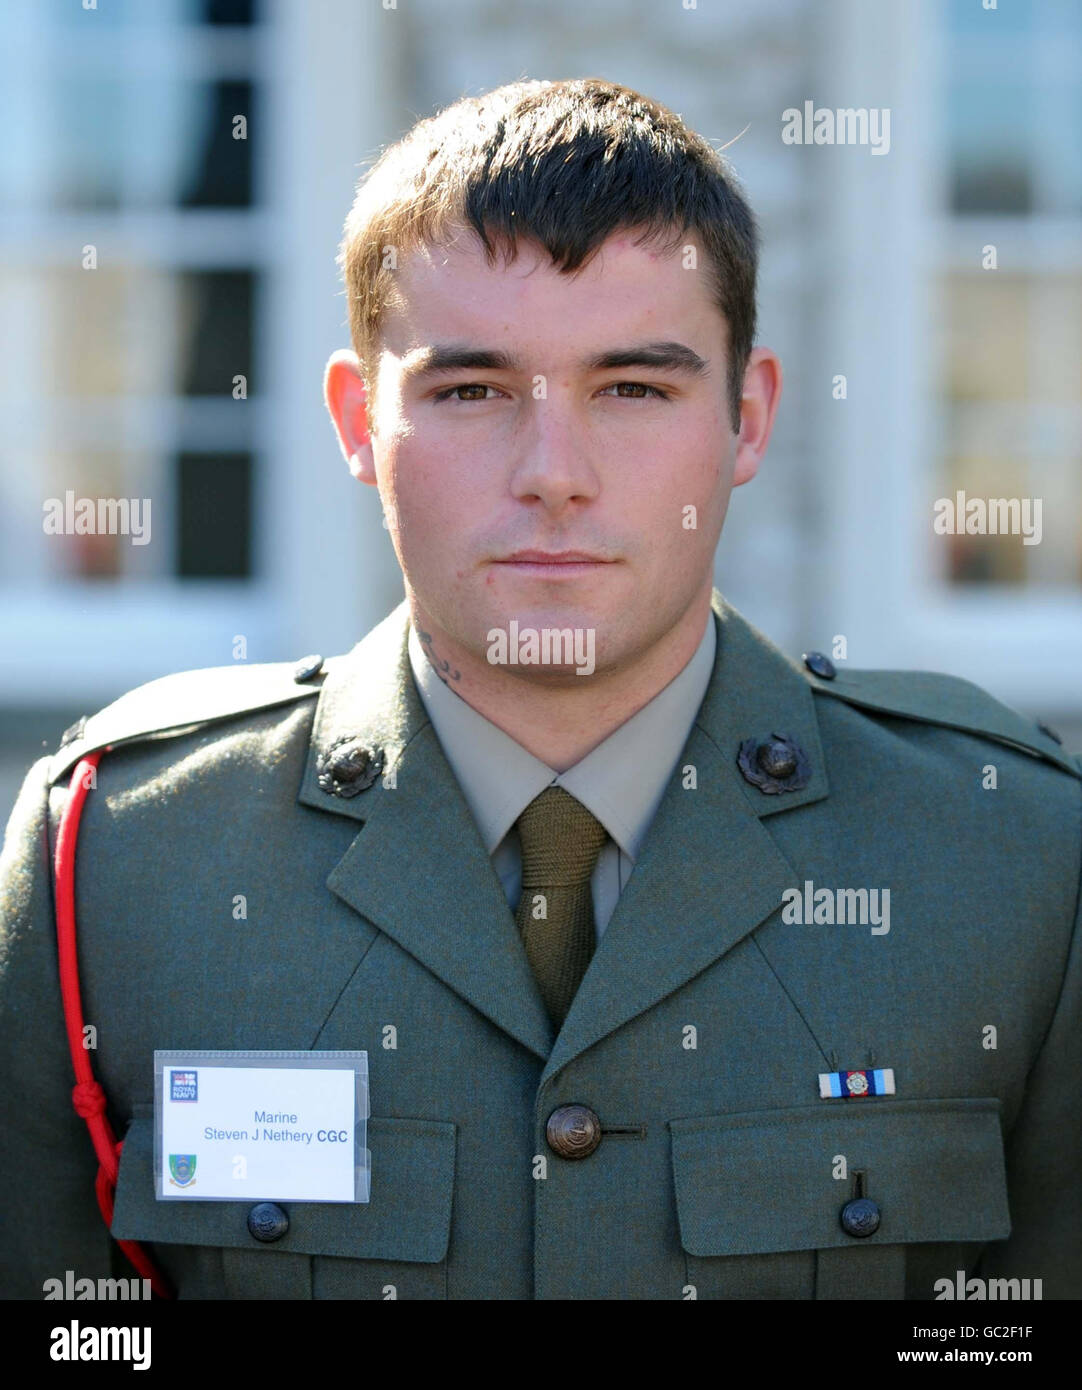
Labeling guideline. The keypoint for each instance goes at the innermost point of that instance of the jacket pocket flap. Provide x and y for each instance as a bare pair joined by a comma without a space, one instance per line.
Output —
763,1181
408,1216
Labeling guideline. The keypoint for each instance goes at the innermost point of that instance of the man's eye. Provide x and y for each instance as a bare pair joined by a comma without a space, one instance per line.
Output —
473,389
635,390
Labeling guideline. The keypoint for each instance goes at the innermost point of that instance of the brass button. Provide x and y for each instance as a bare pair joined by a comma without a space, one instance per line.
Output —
573,1131
268,1222
73,732
860,1217
307,668
820,665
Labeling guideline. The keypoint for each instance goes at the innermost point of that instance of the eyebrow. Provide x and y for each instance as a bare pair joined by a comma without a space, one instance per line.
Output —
453,357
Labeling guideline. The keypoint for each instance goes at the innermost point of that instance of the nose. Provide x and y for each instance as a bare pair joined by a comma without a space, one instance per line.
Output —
552,462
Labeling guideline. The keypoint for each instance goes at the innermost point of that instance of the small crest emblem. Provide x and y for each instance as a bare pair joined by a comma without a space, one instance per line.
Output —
182,1167
775,764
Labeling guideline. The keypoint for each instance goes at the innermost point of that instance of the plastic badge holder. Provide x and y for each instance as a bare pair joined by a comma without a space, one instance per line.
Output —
279,1135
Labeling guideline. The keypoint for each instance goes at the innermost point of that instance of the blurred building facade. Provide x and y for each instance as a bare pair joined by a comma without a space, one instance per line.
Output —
172,191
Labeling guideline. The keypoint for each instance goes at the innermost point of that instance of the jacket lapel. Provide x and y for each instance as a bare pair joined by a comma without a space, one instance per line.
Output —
417,869
710,871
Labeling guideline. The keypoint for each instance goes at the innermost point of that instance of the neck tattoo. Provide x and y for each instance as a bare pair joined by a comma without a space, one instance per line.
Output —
443,669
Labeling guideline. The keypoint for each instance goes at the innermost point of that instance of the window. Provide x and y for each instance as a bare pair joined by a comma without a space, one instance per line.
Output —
129,327
1009,296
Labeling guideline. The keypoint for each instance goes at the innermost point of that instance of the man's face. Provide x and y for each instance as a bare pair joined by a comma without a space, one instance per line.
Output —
588,413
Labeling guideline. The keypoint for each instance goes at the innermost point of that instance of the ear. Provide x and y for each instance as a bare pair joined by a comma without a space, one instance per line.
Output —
758,406
346,395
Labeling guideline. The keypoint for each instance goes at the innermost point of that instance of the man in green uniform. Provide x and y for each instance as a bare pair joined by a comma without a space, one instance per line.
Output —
683,969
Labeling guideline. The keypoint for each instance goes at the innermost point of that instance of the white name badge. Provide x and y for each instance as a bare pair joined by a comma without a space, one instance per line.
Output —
271,1126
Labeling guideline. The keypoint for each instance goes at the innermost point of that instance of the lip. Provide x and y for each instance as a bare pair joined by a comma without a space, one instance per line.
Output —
561,557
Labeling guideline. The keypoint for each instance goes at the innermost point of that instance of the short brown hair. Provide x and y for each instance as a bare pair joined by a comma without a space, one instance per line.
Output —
563,164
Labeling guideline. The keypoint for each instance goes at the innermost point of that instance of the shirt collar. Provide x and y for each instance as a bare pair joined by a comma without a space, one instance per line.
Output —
621,781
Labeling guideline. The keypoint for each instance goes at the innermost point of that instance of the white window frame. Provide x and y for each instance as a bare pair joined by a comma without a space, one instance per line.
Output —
324,570
889,242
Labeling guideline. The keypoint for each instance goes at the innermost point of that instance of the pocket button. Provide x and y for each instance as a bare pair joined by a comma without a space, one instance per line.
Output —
267,1221
860,1217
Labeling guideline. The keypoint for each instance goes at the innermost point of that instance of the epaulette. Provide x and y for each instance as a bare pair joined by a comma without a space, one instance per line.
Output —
935,698
183,701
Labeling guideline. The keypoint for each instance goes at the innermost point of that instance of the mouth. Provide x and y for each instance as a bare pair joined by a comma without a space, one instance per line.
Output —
543,561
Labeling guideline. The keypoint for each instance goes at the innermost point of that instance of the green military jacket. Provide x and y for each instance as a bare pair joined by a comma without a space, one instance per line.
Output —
698,1036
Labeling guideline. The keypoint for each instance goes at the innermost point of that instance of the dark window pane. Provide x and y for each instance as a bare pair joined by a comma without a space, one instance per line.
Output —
228,11
991,187
215,323
222,176
990,128
214,516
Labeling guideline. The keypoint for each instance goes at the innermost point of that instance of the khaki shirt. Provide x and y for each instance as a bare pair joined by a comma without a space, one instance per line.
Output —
621,781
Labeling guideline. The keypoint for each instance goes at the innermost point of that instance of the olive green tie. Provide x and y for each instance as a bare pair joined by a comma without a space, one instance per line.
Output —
560,841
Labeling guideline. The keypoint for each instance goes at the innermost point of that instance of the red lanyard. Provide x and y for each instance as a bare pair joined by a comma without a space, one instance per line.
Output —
87,1096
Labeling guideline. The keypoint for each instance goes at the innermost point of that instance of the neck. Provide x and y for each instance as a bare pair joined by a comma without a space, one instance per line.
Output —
560,720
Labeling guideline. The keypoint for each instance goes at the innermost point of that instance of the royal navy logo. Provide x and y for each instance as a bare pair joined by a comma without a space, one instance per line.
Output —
856,1085
184,1085
182,1168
